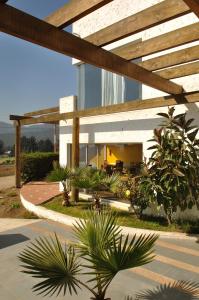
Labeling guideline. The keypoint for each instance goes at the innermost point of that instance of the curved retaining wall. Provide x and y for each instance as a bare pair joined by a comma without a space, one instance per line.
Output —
43,212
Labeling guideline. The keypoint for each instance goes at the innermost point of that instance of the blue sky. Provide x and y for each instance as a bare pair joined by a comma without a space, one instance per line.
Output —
32,77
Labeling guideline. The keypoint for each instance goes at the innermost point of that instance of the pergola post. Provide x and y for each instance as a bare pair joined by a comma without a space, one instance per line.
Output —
17,154
75,153
55,138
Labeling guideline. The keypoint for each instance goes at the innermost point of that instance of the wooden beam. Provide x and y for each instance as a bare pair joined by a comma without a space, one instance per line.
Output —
73,11
117,108
171,59
180,71
17,118
75,153
194,6
42,111
27,27
151,16
17,154
162,42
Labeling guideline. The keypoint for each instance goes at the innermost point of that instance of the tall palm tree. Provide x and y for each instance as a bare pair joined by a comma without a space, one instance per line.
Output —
104,251
61,174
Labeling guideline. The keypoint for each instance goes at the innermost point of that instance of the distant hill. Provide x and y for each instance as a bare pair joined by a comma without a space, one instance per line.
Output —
7,133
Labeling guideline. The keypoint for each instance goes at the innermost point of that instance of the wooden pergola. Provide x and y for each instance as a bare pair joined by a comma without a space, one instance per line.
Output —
155,72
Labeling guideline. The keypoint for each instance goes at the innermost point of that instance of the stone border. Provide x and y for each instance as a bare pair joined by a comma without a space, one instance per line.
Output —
43,212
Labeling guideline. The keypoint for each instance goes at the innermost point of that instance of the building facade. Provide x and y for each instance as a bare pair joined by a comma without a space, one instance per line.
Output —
120,136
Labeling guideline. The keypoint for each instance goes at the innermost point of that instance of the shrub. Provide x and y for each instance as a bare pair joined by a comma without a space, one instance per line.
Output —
172,174
36,166
129,190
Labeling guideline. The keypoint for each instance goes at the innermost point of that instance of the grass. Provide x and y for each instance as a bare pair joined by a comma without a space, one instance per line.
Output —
11,207
124,218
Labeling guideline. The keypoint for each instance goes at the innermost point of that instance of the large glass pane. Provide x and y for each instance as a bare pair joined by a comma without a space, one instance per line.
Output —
82,155
89,86
93,155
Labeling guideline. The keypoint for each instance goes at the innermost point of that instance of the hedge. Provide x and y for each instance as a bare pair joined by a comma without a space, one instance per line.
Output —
35,166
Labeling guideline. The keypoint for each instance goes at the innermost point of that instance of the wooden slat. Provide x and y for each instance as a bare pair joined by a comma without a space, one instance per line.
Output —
180,71
171,59
117,108
194,6
24,26
42,111
73,11
162,42
154,15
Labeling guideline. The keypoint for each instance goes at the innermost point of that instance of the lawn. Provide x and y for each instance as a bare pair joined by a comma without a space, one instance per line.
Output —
124,218
11,207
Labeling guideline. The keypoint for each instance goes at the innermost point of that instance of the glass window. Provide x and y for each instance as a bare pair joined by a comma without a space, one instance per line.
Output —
89,86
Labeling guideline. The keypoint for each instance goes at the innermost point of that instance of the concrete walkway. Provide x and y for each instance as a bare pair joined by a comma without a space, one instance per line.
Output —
175,260
7,182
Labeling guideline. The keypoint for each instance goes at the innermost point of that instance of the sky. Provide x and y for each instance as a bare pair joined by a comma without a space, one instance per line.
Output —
32,77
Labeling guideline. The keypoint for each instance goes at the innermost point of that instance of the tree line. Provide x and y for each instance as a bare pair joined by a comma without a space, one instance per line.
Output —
29,144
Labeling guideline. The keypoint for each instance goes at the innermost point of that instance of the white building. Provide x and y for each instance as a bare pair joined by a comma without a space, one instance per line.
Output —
120,136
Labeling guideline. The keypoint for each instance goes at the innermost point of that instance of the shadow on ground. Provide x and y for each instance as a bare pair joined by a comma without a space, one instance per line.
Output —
179,290
7,240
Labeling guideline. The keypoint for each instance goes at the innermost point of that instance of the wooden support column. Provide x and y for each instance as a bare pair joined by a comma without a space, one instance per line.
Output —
17,154
55,138
75,153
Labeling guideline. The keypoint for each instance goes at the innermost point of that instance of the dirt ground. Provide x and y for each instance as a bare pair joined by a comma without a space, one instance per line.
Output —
6,182
6,170
10,205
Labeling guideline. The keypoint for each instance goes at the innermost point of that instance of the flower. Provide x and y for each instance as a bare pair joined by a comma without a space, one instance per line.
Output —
127,193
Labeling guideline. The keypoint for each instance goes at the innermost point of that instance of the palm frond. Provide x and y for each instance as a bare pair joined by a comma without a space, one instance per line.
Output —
59,173
124,253
46,258
96,231
176,291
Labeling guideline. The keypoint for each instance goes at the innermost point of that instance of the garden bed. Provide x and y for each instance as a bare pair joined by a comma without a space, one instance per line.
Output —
11,207
124,218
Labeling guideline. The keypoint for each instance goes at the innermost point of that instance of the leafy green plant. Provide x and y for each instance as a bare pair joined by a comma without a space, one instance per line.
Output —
15,205
129,189
35,166
62,174
95,181
171,177
104,251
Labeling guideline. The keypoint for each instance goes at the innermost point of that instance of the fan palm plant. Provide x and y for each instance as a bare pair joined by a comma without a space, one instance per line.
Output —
104,251
95,181
61,174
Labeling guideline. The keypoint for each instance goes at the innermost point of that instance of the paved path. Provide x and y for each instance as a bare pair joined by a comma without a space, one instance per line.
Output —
7,182
40,192
175,260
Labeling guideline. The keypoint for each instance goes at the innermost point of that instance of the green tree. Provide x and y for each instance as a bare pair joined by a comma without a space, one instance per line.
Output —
1,147
103,249
62,174
171,177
